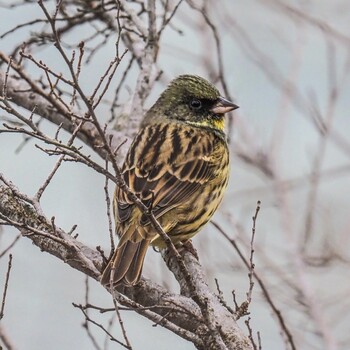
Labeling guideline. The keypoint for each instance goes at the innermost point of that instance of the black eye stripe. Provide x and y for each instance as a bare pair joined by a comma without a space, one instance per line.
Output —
195,103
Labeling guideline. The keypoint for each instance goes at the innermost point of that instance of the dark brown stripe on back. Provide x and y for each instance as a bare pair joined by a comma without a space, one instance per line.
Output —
162,135
193,141
176,143
131,156
148,143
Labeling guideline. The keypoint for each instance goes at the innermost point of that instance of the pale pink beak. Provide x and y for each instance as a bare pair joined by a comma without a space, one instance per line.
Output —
223,106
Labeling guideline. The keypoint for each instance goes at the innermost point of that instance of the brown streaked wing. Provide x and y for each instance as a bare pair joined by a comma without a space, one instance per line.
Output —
156,174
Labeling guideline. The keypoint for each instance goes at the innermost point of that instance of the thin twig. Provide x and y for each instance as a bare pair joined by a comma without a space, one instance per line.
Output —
88,319
86,323
221,297
251,257
250,333
120,320
9,266
109,216
10,246
7,342
264,289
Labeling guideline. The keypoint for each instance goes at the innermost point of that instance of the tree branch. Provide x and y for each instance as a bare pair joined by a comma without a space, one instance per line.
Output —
185,318
19,93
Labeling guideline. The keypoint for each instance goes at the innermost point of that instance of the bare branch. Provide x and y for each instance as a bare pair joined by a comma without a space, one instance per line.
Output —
251,257
145,293
9,266
2,254
264,289
5,339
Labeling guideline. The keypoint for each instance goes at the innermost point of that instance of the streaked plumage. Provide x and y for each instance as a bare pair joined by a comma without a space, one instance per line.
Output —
178,163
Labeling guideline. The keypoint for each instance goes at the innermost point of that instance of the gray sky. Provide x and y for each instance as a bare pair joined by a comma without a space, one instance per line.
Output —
276,119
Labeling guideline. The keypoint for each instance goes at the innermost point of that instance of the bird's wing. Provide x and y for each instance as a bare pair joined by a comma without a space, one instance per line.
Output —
165,166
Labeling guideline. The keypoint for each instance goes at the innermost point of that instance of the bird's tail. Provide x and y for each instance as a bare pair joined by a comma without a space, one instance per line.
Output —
125,267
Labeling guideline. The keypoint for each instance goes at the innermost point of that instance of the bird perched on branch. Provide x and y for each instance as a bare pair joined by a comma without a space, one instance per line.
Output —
177,165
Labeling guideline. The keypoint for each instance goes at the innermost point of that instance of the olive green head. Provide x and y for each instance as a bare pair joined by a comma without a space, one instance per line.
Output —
192,100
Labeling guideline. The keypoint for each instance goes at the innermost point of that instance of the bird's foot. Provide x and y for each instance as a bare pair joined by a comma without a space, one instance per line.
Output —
104,259
187,245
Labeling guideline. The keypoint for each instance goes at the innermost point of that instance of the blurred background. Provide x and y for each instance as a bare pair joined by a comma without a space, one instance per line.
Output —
286,64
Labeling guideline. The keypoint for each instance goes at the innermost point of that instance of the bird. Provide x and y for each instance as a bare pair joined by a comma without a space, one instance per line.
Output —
177,165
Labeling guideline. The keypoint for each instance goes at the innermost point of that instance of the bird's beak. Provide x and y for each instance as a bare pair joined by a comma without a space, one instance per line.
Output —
223,106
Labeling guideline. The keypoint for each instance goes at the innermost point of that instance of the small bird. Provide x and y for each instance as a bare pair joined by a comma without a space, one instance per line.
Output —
178,165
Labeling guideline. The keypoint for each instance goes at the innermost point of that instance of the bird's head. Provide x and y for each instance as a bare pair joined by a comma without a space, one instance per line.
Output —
192,100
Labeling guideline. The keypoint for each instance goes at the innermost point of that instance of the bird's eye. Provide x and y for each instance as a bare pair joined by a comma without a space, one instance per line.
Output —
196,104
